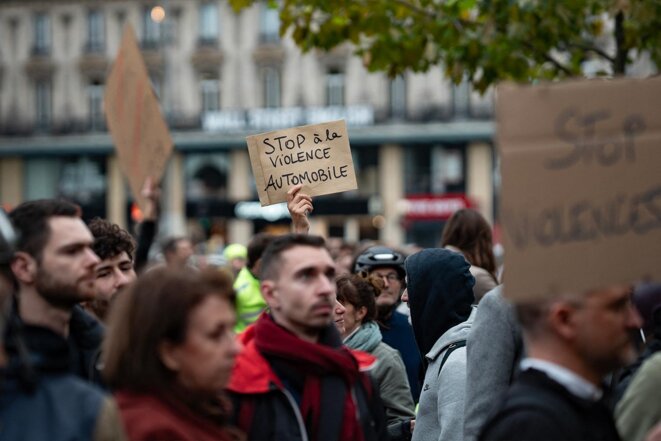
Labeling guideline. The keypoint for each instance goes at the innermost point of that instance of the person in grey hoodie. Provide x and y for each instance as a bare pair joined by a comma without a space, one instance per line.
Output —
493,350
440,295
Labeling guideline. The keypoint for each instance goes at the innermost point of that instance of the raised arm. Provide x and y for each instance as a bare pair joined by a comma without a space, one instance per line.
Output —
299,205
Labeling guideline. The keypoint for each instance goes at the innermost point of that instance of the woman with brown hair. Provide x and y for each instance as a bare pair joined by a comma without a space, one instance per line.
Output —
468,233
169,353
361,332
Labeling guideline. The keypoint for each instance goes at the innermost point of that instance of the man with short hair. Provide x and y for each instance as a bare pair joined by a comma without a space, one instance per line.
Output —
115,247
177,251
41,398
388,265
295,380
572,342
53,267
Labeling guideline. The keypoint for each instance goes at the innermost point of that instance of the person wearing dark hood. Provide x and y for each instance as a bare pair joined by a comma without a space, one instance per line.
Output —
440,295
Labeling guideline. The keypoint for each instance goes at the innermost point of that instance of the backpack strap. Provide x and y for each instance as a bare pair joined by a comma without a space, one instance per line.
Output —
448,350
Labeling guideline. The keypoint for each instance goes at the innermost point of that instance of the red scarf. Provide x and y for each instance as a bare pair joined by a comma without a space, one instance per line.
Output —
315,362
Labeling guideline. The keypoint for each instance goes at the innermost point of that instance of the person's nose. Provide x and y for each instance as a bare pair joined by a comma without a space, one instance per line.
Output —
386,281
326,286
339,309
121,280
91,258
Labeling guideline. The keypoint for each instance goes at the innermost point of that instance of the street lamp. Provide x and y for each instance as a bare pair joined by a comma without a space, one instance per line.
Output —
157,14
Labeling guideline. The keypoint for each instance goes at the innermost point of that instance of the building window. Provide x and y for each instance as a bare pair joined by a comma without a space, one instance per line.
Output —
398,97
95,102
269,24
80,179
435,169
151,37
95,31
209,23
461,99
207,175
210,92
335,87
271,85
43,105
42,37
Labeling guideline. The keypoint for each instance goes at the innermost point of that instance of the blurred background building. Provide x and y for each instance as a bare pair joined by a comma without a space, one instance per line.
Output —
422,146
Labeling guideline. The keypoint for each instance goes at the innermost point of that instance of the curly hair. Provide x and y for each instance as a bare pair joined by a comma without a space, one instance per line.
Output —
110,240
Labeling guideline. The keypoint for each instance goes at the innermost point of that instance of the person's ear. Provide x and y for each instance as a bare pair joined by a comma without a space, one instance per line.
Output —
270,294
562,319
361,313
169,355
24,267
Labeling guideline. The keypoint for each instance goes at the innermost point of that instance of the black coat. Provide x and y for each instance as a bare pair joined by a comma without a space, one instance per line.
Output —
539,408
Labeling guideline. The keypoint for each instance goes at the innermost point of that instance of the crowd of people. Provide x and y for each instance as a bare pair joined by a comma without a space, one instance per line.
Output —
302,338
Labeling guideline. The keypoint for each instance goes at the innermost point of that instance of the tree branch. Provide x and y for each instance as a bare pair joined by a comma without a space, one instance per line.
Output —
549,58
590,48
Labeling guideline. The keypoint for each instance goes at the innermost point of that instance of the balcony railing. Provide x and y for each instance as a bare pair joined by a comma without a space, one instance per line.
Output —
94,47
40,51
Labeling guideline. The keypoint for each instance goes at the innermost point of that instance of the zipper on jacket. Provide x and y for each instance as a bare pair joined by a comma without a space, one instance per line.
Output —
297,413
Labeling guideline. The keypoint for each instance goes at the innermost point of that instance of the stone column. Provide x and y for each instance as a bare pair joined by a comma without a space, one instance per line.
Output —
391,189
239,230
173,218
479,182
116,193
11,181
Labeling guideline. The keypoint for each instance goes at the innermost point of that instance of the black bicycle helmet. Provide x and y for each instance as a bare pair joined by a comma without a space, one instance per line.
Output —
380,257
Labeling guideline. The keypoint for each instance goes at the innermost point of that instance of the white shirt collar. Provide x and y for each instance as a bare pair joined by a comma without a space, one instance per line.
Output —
576,384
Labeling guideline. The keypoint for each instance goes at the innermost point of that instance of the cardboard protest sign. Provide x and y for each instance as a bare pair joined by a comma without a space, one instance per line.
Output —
136,125
317,156
581,185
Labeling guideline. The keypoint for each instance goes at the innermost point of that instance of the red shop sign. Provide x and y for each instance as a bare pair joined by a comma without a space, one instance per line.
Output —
434,207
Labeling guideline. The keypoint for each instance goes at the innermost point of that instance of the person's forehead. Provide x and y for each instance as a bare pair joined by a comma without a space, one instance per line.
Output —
65,230
302,255
181,243
384,270
115,260
609,294
213,309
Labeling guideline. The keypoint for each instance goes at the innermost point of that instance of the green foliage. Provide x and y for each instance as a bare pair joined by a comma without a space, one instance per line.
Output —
484,40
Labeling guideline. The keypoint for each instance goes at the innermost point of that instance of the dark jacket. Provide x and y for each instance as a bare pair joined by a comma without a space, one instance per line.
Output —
398,334
85,338
40,399
539,408
265,410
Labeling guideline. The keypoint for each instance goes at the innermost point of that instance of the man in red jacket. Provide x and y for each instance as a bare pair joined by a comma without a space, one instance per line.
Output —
295,380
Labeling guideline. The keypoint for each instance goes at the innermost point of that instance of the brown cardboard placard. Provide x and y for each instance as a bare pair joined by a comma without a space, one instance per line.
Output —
138,130
581,185
317,156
